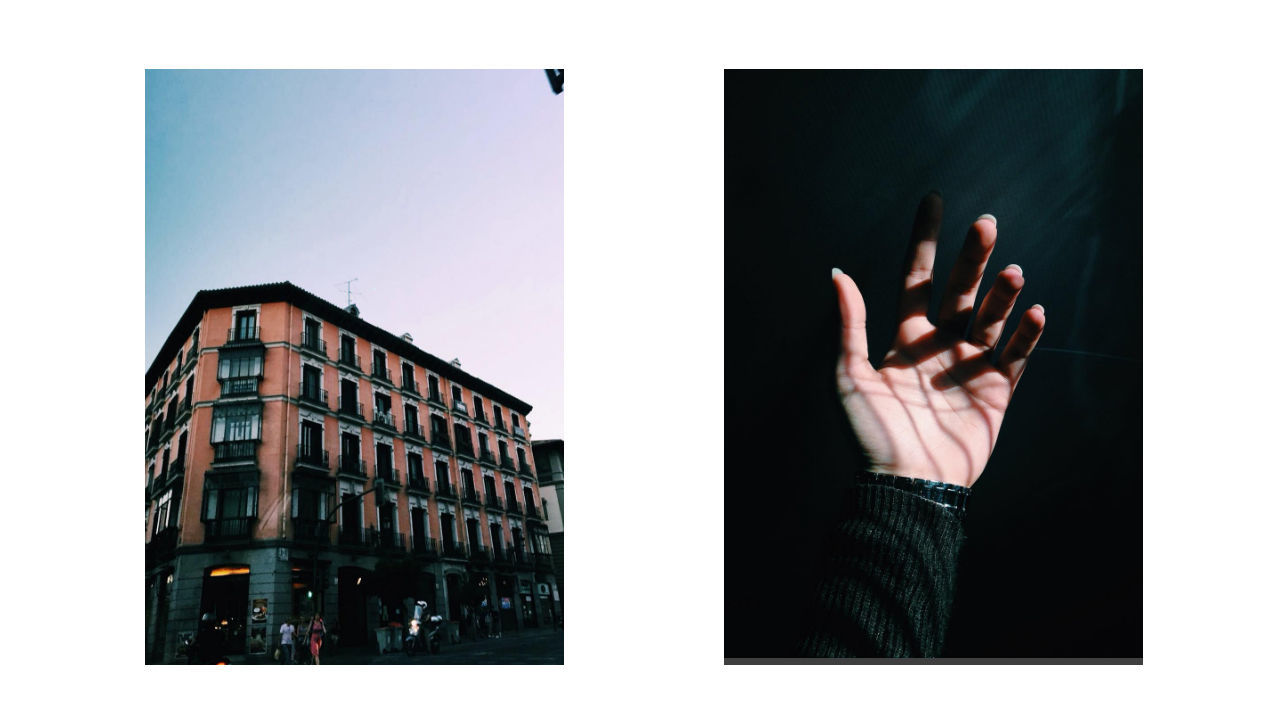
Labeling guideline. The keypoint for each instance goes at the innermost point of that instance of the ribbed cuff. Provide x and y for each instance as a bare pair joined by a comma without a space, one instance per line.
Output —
952,497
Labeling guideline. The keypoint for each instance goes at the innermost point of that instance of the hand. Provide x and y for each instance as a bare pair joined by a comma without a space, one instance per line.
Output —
934,407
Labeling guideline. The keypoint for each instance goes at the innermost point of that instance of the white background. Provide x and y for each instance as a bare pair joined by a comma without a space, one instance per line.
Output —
644,349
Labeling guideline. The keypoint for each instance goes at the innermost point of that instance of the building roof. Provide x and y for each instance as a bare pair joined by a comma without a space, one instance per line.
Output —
290,293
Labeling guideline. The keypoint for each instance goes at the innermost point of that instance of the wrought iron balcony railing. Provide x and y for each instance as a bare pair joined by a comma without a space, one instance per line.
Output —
425,546
350,359
487,457
418,482
519,431
440,438
352,408
388,475
313,394
232,387
542,560
480,555
492,501
513,505
505,464
385,419
407,384
459,406
413,430
470,495
312,457
525,469
313,531
236,450
381,374
227,528
352,465
454,549
314,343
242,335
464,448
480,418
444,489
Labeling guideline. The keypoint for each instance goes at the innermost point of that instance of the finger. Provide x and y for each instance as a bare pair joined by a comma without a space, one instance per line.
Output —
962,287
988,324
1014,358
853,316
918,282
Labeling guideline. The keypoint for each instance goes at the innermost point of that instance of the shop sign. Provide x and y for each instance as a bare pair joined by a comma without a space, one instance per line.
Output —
260,610
506,603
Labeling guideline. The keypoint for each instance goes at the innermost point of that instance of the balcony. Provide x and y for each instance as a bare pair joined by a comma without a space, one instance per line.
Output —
235,451
184,411
506,464
418,483
408,385
519,431
497,424
413,431
387,475
487,458
492,502
353,466
531,510
459,406
386,419
480,418
371,538
237,336
234,387
480,555
434,398
444,490
227,529
542,561
464,448
381,374
513,506
440,439
525,469
351,408
176,470
351,360
314,344
469,495
425,546
313,396
503,557
523,560
454,549
311,531
190,361
162,545
312,458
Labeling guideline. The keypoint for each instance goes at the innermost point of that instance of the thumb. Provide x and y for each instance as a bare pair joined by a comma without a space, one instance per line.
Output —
853,315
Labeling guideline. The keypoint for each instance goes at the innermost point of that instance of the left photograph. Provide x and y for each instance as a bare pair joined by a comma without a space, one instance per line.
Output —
354,391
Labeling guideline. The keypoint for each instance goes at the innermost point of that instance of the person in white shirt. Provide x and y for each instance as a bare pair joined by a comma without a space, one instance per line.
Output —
286,642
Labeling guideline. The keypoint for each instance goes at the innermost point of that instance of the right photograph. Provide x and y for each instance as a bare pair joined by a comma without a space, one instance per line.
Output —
933,366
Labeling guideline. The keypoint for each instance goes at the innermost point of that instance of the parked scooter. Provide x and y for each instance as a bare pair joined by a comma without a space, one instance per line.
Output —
424,631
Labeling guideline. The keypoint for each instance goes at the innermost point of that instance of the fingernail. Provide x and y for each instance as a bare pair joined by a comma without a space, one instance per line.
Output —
1038,305
835,272
988,216
1016,267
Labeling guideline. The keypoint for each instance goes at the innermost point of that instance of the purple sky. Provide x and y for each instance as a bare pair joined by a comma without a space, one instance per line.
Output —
442,191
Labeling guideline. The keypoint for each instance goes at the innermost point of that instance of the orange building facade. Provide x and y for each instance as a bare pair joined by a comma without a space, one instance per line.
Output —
300,459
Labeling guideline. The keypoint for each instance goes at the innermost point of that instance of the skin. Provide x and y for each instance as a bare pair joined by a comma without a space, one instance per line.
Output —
934,407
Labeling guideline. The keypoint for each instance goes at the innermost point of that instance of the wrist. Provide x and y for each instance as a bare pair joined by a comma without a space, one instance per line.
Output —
947,495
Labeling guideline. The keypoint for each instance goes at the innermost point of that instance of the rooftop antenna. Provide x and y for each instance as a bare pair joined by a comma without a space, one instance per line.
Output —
348,284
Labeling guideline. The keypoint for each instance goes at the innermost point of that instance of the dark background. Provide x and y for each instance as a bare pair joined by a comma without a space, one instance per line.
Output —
825,169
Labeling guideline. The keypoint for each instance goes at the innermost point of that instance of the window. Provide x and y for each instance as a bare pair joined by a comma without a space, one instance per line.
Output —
351,452
458,404
166,516
462,435
479,403
195,340
246,325
511,495
384,465
310,444
484,445
380,365
236,423
529,504
348,351
382,409
349,402
520,456
311,334
311,383
447,531
495,534
502,450
468,484
411,421
473,534
178,363
309,505
239,372
414,465
418,520
442,477
406,377
490,490
497,418
439,430
229,505
433,385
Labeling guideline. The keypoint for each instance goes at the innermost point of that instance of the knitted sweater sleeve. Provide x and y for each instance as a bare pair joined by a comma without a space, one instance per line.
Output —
889,578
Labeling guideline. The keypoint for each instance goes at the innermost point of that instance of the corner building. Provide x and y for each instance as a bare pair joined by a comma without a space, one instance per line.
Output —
299,458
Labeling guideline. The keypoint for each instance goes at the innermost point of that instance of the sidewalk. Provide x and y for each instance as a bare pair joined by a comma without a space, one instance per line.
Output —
530,645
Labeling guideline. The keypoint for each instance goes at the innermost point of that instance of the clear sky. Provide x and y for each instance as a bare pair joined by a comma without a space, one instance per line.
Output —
442,191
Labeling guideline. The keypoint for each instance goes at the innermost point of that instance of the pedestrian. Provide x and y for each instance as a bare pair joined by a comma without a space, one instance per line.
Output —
286,642
301,648
317,637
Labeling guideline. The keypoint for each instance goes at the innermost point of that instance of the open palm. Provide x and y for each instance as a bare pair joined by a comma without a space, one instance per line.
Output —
934,407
